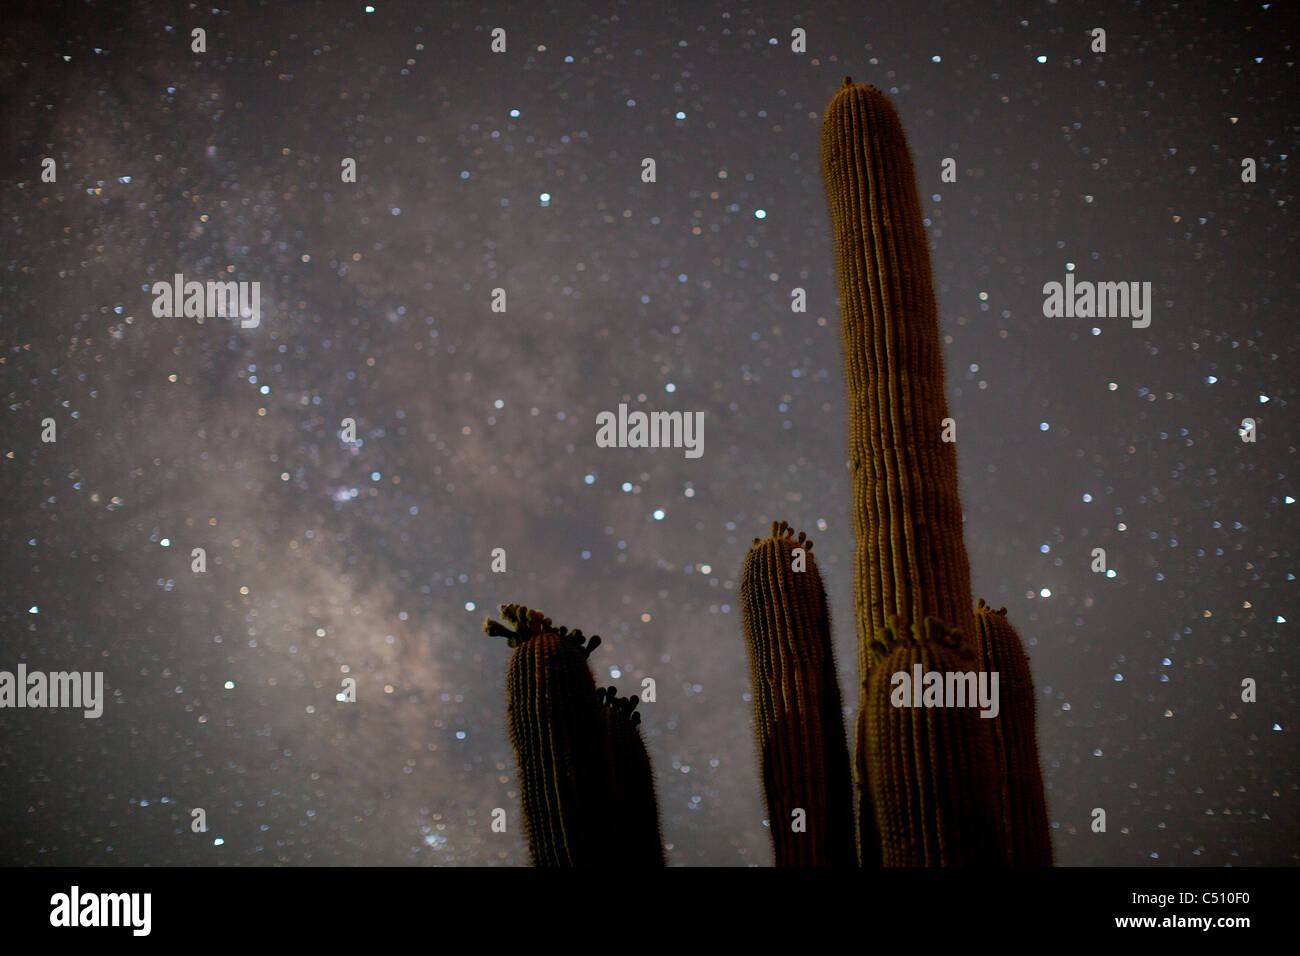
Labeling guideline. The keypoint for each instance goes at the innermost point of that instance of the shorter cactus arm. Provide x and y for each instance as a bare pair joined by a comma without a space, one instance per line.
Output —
635,819
1027,837
930,771
798,719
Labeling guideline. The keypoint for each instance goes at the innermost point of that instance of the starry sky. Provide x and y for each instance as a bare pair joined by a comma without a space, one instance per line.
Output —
476,429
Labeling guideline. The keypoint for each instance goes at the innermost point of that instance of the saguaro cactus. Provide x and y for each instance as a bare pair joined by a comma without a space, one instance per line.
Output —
923,774
911,560
798,719
926,769
585,776
931,791
1027,839
555,724
640,842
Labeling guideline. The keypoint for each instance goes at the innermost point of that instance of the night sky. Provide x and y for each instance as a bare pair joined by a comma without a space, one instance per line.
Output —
476,429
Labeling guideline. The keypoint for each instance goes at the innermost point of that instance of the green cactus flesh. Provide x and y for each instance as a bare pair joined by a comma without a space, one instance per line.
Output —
911,571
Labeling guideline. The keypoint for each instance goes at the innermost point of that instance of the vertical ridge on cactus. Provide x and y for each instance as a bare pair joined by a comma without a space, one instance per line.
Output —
558,733
929,789
911,560
928,770
798,718
1026,834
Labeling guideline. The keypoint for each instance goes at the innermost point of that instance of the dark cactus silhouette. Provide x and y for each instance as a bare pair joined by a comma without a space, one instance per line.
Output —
936,785
798,718
555,725
1015,742
640,842
584,775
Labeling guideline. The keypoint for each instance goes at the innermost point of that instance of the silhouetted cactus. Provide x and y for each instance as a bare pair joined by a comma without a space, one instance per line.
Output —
931,791
798,718
584,775
555,724
640,841
1027,840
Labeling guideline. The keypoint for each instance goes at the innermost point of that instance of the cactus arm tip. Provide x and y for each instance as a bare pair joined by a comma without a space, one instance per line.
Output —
783,530
497,629
521,624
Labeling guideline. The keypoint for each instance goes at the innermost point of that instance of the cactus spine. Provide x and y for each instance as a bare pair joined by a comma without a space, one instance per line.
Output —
798,717
1027,839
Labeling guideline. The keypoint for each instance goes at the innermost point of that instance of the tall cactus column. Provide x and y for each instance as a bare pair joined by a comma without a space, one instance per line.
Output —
911,559
926,778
